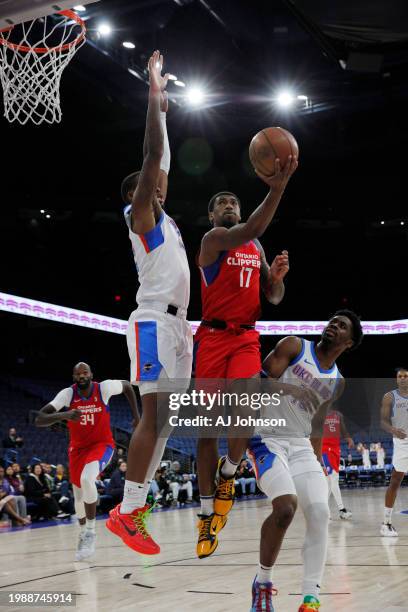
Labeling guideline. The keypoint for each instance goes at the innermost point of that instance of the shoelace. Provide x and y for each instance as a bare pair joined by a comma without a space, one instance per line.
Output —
225,488
140,520
263,598
205,529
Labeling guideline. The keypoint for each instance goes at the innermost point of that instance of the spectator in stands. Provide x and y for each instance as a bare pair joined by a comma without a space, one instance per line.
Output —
17,473
37,491
180,482
47,471
245,475
380,456
117,483
159,486
13,440
365,454
8,503
17,490
61,490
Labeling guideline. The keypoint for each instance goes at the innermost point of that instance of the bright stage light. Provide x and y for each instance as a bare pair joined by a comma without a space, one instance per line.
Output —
285,99
129,45
79,8
195,96
104,29
172,77
179,83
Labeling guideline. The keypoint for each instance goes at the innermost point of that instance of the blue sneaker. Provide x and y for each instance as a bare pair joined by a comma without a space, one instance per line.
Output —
262,597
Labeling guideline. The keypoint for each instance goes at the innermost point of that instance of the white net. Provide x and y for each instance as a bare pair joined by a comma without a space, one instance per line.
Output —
33,56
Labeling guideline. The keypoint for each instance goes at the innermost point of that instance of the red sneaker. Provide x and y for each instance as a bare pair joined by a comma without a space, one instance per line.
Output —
132,529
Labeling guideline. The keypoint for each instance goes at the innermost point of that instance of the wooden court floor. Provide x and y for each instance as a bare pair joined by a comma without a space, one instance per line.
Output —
364,572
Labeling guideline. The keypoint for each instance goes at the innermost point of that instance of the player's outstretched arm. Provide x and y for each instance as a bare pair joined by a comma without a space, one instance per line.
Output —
221,239
272,277
279,359
49,416
130,395
143,219
386,409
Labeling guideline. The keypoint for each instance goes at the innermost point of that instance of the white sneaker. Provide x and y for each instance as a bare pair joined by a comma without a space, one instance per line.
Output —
345,514
388,531
78,554
87,547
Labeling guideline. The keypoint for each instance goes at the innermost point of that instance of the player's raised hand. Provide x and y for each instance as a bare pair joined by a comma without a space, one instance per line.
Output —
72,415
158,82
279,267
281,176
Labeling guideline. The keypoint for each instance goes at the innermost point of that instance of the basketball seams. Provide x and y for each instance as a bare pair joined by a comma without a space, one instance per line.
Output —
259,164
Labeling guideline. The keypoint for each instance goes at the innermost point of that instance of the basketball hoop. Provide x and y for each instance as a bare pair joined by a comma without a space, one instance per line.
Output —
31,68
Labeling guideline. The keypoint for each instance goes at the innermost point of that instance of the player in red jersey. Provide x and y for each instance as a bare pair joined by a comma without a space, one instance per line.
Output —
91,444
334,431
233,268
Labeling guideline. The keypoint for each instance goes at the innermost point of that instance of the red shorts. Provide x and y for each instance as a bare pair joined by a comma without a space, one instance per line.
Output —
331,458
79,457
225,354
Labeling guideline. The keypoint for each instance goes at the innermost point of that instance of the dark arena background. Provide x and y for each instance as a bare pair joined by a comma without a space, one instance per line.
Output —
343,70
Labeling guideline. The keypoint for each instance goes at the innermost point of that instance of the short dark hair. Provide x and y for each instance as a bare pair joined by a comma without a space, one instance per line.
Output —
211,203
129,184
357,335
400,369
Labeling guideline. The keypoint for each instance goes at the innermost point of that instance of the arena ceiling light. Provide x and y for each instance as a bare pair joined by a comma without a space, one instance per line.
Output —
129,45
172,77
285,98
179,83
79,8
195,96
104,29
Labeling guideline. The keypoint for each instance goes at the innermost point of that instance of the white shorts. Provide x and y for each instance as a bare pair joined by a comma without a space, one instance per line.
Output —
277,462
160,349
400,455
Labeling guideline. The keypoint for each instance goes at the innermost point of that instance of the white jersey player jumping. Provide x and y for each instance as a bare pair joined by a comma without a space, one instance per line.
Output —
159,338
394,419
287,461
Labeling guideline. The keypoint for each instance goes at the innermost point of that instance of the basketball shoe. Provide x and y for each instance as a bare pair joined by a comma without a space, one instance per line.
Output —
86,545
262,596
310,604
225,491
388,531
132,529
345,514
208,528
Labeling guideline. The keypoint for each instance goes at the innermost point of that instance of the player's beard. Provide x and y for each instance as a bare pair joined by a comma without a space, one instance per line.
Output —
84,384
228,224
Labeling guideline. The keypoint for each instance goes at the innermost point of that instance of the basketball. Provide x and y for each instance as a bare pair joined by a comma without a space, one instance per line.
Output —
267,145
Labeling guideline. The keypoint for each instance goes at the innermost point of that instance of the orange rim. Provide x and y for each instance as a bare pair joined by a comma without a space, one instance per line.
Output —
69,15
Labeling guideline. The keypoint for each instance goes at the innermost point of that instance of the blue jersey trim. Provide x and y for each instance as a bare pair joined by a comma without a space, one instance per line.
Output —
211,272
155,237
83,397
106,457
101,398
261,456
150,366
321,370
300,355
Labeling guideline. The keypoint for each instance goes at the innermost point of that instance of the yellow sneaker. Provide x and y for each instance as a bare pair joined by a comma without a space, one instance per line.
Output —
224,493
208,527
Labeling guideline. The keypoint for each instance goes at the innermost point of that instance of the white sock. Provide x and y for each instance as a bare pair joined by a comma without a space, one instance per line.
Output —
228,468
134,496
387,515
90,525
82,527
207,505
264,573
